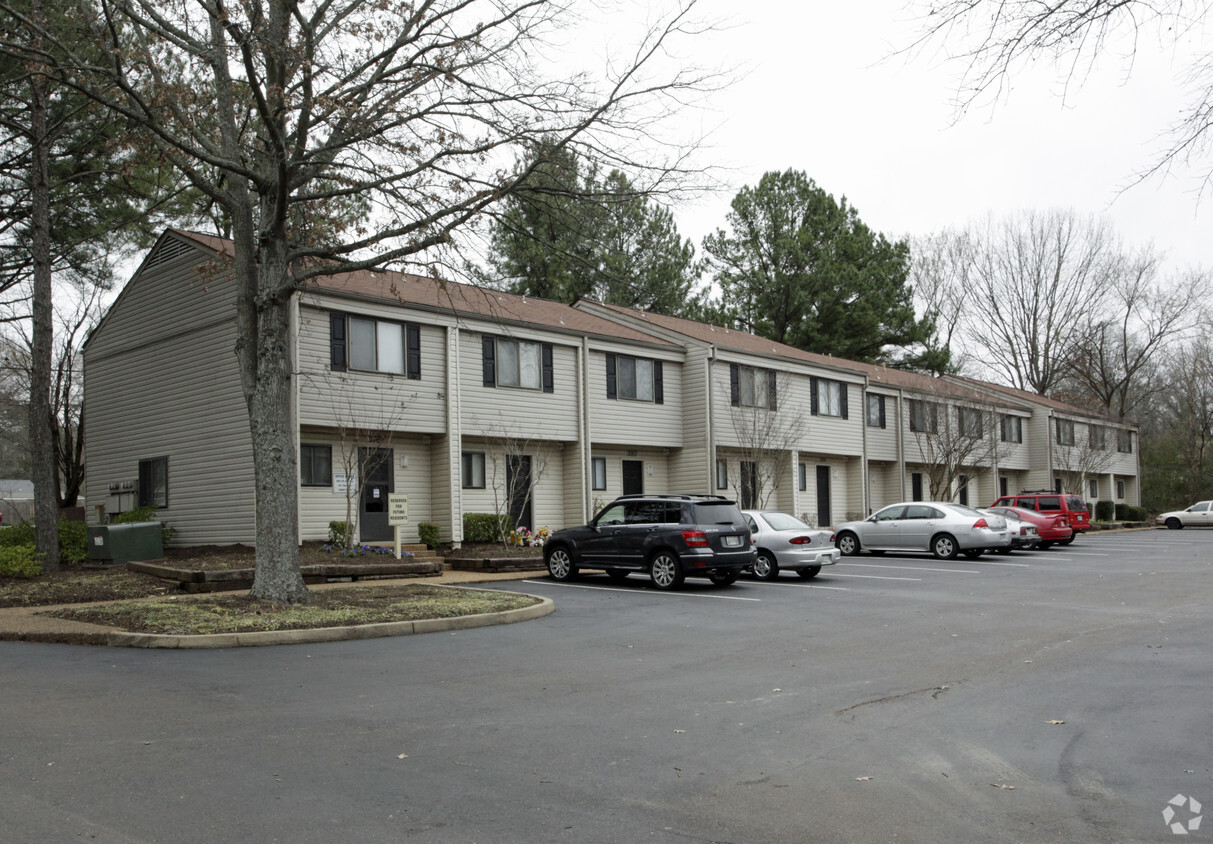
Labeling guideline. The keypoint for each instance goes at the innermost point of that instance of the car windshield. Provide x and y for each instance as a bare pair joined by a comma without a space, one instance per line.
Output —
782,521
1073,502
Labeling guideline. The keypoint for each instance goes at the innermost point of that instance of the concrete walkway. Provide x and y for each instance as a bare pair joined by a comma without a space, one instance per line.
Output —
32,625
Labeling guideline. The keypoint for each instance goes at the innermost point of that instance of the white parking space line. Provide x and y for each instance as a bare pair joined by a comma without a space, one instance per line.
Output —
1068,553
875,577
992,563
911,568
638,591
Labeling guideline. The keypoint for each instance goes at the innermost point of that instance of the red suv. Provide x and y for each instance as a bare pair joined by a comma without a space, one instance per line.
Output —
1071,507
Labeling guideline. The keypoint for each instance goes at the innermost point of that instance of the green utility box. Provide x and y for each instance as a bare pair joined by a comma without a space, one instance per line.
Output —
125,543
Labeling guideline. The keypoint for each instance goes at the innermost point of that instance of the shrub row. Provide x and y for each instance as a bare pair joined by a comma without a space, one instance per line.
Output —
483,527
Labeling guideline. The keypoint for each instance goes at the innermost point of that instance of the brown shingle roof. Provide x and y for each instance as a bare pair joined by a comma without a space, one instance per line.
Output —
452,297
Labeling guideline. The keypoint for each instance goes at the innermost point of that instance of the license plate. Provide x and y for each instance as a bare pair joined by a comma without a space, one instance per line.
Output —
732,541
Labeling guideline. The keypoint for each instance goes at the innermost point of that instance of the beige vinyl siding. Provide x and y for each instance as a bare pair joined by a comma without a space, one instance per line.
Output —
320,505
1038,434
548,472
444,483
626,421
576,483
881,442
691,468
357,399
517,412
884,483
656,475
168,387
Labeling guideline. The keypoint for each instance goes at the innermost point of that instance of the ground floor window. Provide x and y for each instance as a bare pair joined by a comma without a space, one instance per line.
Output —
599,473
153,482
315,465
473,470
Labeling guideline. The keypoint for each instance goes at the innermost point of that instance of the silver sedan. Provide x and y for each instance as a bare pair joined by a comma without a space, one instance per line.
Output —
785,542
940,527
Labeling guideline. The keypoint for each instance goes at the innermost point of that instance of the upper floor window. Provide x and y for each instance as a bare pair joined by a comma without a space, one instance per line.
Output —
969,420
1095,436
153,482
876,418
752,387
516,363
315,465
374,345
924,416
1010,429
639,379
1065,431
1124,442
827,398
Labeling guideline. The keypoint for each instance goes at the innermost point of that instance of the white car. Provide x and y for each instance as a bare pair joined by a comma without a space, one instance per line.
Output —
1199,514
940,527
785,542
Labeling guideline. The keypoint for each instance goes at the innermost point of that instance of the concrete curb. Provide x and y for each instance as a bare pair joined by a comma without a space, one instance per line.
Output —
122,639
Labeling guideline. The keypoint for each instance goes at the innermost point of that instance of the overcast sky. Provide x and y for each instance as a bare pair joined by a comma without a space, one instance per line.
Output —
822,93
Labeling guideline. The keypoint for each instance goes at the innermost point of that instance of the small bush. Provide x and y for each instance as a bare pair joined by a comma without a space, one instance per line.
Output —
428,531
483,527
73,539
340,533
1105,511
19,561
18,533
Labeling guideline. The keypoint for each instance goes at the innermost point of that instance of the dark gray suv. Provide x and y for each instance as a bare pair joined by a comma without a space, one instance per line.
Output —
669,537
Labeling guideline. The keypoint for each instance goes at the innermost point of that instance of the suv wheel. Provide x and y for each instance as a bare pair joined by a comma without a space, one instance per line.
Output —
765,567
848,544
560,565
943,546
665,571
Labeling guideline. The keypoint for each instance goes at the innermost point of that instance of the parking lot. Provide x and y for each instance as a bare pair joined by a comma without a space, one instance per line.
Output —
1049,696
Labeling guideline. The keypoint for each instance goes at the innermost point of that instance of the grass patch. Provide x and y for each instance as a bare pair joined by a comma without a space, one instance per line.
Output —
73,586
228,613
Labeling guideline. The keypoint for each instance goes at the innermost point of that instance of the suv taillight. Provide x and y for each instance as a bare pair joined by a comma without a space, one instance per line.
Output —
695,538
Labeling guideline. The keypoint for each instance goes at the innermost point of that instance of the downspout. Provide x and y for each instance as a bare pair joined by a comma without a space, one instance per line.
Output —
454,438
865,503
709,428
901,446
584,447
293,330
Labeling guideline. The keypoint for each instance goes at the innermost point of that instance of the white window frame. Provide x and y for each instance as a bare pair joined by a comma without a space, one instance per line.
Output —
634,379
598,473
519,364
829,397
471,470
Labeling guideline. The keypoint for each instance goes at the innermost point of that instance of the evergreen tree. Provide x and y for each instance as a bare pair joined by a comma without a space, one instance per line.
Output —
801,268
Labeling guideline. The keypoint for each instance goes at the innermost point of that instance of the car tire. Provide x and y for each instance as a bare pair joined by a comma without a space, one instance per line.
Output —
943,546
722,578
810,573
560,565
1046,545
617,575
765,567
1068,539
1174,524
664,570
1006,550
972,553
848,544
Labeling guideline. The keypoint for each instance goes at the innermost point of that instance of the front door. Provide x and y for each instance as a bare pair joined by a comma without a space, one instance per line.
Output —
375,484
518,485
633,477
824,511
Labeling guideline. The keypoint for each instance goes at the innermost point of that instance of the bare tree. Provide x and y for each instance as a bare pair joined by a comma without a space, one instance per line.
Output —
995,39
1084,452
942,273
767,433
956,436
343,135
516,463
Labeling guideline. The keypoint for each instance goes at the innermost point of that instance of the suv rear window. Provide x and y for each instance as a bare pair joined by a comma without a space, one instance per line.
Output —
1048,502
716,513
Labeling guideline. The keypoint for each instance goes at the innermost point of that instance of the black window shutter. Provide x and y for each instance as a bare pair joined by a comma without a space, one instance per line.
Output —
658,385
882,424
549,373
842,394
611,389
413,350
337,342
489,347
772,400
813,394
734,387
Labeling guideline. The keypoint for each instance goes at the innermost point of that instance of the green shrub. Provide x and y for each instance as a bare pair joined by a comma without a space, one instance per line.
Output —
73,539
19,561
1105,511
483,527
340,533
428,531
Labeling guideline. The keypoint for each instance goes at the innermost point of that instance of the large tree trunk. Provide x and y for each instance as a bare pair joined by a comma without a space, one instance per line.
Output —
277,576
46,498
